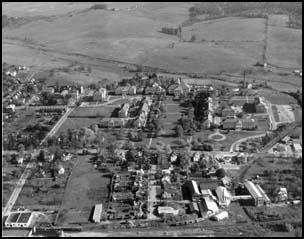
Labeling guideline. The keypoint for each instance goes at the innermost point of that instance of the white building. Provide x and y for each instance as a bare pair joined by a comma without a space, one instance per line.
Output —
19,219
100,94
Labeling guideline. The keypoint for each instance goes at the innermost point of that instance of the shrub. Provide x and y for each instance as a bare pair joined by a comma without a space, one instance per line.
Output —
99,6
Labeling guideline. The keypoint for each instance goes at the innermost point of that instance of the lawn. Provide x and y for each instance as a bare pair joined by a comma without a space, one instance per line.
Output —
86,187
92,112
76,123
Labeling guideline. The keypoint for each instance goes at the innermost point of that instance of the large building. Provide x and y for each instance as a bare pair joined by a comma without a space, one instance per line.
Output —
255,193
20,219
230,123
189,189
100,94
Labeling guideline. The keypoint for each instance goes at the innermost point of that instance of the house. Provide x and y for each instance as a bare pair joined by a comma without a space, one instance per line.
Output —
228,112
122,90
60,169
20,159
132,90
112,122
100,94
173,157
171,88
123,113
48,89
282,194
297,148
230,124
196,156
260,108
10,109
19,219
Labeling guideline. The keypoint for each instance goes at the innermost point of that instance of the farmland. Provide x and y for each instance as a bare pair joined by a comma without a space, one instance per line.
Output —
284,47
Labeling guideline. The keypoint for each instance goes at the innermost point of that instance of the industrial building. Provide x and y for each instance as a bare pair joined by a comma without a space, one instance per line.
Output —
19,219
208,205
257,193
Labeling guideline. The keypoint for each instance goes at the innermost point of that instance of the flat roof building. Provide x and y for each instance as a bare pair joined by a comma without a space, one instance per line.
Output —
19,219
97,213
255,193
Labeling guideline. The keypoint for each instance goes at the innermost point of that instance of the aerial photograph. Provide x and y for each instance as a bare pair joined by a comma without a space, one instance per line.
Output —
151,119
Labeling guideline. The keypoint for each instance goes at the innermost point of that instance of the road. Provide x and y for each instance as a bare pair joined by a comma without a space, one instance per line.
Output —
57,125
234,146
14,196
267,104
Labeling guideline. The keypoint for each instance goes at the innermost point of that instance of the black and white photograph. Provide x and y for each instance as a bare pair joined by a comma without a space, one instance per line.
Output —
152,119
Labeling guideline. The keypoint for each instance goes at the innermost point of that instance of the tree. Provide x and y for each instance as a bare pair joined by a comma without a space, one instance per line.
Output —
41,156
193,38
179,131
21,148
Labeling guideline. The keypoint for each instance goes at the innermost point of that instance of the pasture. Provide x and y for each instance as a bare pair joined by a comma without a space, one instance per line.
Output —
92,112
284,47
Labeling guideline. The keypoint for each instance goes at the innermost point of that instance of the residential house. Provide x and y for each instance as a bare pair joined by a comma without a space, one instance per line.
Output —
228,112
123,113
10,109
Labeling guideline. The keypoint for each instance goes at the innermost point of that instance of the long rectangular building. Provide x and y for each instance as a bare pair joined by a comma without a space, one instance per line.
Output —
97,213
255,193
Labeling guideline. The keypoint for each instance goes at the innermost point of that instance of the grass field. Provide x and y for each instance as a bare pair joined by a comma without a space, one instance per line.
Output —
276,97
86,188
76,123
284,47
92,111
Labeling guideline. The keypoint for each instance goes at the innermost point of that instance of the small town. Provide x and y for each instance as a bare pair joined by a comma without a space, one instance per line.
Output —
151,154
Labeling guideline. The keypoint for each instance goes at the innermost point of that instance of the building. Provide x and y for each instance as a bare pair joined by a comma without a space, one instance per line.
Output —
230,123
122,90
48,89
189,189
267,200
209,206
162,211
286,139
193,208
260,108
282,195
297,148
220,216
228,112
19,219
223,196
112,122
100,94
171,88
255,193
123,113
248,124
10,109
97,213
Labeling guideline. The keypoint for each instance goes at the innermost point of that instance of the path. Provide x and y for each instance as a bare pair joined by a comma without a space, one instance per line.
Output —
217,132
234,146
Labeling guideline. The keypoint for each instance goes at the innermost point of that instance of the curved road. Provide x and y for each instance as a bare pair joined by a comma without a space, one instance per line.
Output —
236,143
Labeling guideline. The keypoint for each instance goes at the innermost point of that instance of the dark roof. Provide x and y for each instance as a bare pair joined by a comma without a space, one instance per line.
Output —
24,217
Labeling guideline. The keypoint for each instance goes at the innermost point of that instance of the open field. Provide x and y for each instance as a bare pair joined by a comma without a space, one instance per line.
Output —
284,47
278,20
276,97
86,187
76,123
92,112
230,29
